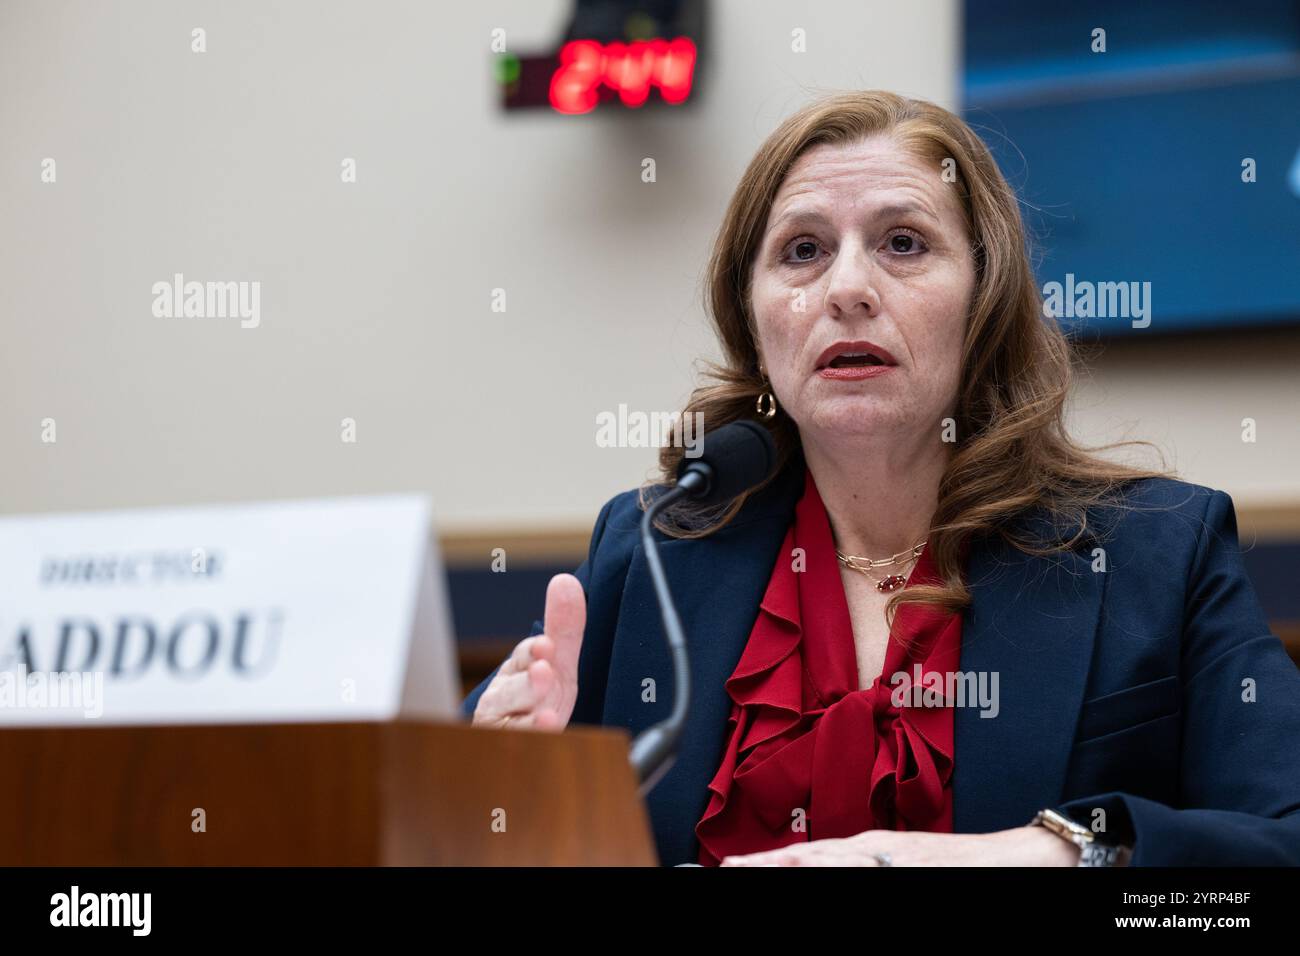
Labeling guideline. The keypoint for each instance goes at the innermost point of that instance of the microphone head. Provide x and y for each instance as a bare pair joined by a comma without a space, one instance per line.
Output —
735,458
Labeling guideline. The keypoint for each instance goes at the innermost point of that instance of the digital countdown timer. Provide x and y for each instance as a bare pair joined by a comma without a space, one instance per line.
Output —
587,73
629,69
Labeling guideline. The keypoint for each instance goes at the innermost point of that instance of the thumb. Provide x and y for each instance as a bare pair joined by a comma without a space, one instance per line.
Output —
566,617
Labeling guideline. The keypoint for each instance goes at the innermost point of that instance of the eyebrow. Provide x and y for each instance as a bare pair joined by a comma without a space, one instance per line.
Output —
884,212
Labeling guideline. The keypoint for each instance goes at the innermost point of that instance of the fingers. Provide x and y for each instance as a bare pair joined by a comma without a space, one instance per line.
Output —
543,718
537,648
857,851
518,693
537,684
566,615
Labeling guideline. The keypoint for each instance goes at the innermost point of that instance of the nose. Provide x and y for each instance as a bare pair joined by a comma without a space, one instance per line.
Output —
851,284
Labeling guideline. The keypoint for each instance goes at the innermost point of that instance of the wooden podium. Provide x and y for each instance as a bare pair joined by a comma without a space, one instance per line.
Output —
362,794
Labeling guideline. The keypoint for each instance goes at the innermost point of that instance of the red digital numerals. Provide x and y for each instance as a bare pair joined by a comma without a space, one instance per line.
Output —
630,69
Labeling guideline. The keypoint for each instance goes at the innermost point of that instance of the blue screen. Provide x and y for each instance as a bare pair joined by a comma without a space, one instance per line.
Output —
1129,162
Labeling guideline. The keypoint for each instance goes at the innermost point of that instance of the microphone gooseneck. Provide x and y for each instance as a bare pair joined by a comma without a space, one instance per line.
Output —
735,458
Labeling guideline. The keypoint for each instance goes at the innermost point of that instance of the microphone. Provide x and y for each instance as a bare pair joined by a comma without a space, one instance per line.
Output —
735,458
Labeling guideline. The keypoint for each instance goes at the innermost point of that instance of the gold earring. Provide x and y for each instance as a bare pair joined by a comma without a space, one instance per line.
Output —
766,398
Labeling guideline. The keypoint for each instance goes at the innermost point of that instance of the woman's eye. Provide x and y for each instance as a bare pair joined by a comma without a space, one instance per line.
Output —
805,250
905,244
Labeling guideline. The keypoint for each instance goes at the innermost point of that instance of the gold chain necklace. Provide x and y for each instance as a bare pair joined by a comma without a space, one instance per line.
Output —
890,582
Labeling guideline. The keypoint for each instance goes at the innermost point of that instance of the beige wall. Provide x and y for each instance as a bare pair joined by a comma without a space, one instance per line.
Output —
376,295
1190,397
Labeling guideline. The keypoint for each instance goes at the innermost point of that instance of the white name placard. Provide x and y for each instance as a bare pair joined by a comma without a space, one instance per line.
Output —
322,610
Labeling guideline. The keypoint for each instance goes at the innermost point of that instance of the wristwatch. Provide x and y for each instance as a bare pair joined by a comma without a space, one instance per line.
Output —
1091,853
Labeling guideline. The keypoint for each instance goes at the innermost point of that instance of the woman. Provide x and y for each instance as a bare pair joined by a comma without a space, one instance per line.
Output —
943,632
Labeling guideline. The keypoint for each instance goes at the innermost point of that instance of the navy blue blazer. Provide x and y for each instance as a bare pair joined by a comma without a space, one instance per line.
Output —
1152,691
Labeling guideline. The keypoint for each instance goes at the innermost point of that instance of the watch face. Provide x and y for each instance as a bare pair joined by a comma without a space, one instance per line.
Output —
1065,827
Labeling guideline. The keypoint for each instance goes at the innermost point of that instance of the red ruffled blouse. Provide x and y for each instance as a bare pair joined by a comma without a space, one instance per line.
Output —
811,755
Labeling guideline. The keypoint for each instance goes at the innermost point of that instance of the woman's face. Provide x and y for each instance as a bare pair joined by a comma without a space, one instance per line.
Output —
864,243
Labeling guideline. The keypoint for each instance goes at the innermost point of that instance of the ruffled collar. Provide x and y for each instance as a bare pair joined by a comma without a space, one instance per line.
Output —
808,747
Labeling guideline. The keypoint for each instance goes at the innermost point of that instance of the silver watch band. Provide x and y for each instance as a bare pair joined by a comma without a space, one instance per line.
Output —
1091,853
1099,854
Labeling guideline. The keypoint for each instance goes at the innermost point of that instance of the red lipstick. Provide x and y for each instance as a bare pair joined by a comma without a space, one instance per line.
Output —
854,361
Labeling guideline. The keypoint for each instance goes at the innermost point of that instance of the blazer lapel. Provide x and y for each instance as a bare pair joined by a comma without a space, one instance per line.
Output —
717,583
1033,622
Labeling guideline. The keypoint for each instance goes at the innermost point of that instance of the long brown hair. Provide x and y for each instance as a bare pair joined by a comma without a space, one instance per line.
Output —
1013,452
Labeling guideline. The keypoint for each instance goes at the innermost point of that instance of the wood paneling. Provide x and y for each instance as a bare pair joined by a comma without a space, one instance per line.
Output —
319,794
